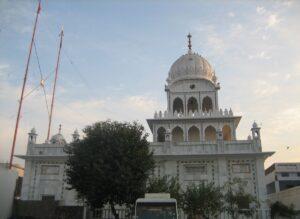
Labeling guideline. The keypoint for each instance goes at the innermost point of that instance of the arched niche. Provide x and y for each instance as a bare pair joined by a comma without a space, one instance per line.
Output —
192,104
194,134
226,130
178,105
207,104
210,133
177,134
161,131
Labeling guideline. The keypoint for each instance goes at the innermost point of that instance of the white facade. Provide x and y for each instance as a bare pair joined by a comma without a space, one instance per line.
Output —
195,140
44,173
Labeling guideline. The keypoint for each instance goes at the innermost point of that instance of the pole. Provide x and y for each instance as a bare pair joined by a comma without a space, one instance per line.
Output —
23,88
54,86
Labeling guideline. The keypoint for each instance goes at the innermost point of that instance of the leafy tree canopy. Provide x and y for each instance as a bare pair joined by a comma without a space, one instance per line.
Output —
165,184
111,164
202,200
237,201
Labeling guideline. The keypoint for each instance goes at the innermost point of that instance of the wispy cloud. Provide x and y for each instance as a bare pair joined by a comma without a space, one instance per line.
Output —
273,20
260,55
260,10
231,14
71,114
265,89
14,16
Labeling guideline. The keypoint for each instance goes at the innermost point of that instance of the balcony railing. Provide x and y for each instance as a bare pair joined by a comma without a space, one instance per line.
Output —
196,114
204,147
46,150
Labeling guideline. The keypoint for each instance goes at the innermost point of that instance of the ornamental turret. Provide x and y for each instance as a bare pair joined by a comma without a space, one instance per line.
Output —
256,135
255,131
75,135
32,136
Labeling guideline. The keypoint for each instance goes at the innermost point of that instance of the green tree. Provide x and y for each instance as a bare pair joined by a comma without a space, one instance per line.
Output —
110,165
203,200
280,209
237,201
165,184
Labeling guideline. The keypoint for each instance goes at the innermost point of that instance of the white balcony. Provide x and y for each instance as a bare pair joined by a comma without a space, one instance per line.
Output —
204,147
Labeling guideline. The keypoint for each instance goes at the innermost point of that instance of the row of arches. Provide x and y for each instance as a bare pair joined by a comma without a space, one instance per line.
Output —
192,104
194,134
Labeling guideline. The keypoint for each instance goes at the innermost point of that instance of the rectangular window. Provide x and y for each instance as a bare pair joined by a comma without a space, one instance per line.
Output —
288,166
48,197
298,174
193,169
49,170
241,168
285,174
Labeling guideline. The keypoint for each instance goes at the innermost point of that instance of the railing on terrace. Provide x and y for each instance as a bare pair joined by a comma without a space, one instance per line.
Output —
196,114
45,150
125,214
107,214
203,147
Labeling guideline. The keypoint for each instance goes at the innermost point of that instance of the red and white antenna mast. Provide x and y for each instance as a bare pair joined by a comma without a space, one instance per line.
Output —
23,87
54,86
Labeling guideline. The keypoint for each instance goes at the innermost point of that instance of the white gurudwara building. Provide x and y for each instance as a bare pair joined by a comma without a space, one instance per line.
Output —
194,140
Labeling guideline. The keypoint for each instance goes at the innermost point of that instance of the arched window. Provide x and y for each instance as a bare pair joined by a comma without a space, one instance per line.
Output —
178,105
194,134
177,134
210,133
192,104
207,104
226,130
161,134
256,134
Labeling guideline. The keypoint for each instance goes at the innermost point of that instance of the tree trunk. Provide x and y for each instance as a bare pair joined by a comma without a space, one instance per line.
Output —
112,206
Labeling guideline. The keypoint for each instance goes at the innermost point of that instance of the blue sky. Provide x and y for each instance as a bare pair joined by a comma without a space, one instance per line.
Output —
121,53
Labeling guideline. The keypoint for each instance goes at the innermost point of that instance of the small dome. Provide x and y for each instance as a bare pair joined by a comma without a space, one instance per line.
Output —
33,131
58,139
75,135
254,125
191,66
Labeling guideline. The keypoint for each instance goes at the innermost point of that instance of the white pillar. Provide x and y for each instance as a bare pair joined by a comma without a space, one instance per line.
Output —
261,187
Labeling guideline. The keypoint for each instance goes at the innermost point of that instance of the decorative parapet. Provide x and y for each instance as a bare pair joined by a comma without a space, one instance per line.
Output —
196,114
43,150
205,147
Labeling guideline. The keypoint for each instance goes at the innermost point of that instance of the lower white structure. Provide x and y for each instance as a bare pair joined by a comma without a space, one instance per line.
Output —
193,140
45,170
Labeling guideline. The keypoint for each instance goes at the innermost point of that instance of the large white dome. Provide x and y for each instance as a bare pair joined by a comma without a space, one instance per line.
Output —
191,66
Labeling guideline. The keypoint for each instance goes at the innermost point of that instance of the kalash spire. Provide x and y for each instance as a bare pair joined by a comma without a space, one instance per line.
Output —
189,36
